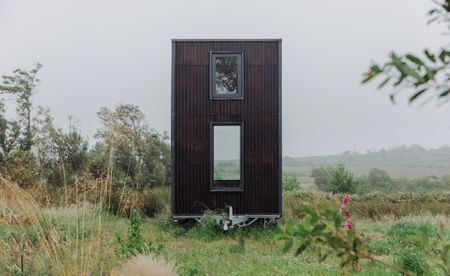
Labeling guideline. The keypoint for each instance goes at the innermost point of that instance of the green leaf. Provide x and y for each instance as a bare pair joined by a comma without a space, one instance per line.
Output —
444,55
400,80
430,56
404,68
444,93
383,83
375,69
417,94
415,59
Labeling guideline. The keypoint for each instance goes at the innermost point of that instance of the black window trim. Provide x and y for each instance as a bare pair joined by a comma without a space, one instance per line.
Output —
212,72
212,186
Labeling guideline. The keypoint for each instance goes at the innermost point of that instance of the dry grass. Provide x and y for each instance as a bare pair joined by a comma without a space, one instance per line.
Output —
145,266
53,241
58,233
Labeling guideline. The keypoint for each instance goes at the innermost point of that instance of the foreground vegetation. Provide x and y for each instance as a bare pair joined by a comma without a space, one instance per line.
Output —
84,238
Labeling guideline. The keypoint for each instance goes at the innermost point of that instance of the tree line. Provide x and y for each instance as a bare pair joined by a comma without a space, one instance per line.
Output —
338,179
34,150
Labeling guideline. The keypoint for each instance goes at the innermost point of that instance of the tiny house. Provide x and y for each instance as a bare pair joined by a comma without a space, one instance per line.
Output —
226,128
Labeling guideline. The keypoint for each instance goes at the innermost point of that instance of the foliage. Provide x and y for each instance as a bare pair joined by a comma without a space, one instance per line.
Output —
379,180
149,201
135,245
21,167
325,226
322,177
22,84
62,155
137,155
425,75
207,228
342,180
290,182
335,179
411,259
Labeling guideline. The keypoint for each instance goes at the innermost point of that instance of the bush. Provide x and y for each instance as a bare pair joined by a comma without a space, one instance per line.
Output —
290,182
411,259
149,201
336,179
405,229
207,228
322,177
22,167
342,180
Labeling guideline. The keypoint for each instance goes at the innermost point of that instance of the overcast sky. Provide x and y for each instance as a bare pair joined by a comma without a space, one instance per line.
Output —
102,53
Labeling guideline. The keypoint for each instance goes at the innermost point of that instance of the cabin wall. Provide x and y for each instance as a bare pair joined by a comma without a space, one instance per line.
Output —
193,111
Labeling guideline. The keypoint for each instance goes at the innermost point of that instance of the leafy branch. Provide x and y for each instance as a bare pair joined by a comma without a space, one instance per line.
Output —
325,226
426,74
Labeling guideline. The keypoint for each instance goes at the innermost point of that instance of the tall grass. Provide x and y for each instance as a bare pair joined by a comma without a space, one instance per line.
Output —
73,239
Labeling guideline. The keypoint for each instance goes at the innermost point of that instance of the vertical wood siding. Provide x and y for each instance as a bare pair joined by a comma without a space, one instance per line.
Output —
192,112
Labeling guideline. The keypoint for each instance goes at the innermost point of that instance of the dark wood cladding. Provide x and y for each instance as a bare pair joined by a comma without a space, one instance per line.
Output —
259,111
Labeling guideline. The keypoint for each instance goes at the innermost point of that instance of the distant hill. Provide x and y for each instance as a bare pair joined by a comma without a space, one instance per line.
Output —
404,161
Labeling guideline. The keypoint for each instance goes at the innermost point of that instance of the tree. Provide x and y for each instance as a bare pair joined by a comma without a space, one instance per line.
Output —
425,75
322,177
134,153
335,179
61,154
9,133
342,180
379,180
290,182
22,84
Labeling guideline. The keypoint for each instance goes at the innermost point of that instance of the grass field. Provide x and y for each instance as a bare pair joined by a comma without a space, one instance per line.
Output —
83,239
408,162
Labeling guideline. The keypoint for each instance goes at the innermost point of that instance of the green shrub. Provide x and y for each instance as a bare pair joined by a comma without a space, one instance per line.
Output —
22,167
342,180
290,182
380,247
406,229
335,179
207,228
134,244
411,259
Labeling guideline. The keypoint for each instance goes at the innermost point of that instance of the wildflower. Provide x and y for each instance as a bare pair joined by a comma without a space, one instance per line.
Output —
347,213
345,199
342,208
348,225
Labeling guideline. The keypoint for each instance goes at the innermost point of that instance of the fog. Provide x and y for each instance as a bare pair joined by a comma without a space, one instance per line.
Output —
102,53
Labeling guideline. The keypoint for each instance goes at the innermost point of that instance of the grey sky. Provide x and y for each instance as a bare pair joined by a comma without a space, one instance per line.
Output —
101,53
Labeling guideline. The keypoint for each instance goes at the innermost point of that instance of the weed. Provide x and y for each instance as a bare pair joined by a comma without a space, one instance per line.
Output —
207,228
135,245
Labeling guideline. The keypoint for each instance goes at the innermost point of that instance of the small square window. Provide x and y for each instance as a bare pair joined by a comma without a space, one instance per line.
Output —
226,75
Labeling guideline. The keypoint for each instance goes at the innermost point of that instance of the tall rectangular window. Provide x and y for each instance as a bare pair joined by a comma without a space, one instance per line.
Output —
226,157
226,75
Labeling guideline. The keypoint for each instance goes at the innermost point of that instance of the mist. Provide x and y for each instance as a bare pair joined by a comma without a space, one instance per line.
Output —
102,53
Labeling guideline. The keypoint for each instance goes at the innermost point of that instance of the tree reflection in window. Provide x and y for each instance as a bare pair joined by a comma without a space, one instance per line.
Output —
226,75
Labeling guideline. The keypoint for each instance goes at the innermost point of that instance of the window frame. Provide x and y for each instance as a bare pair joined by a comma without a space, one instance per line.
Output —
213,187
212,74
